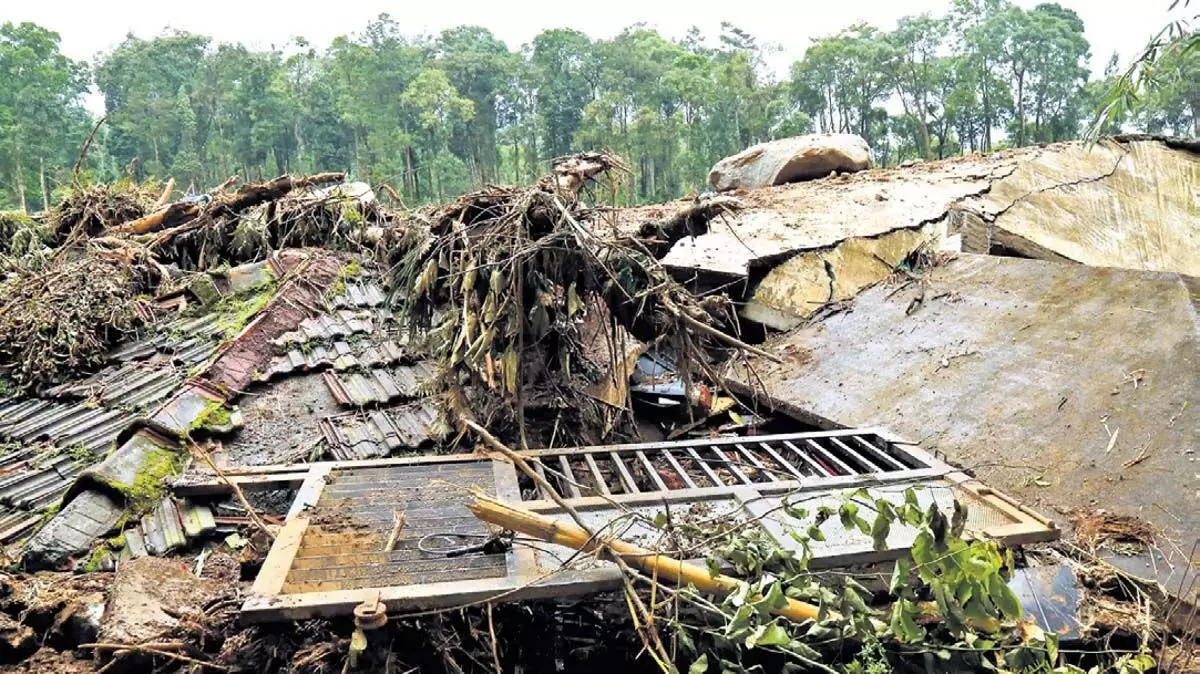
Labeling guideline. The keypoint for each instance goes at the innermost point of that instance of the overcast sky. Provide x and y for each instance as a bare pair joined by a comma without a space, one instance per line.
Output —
88,27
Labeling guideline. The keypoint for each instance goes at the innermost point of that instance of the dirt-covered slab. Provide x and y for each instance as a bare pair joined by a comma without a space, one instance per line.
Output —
775,223
1067,385
1133,204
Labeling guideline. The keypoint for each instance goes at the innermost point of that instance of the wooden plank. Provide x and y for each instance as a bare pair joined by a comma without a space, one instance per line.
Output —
274,571
712,475
820,470
310,491
733,468
652,470
263,482
541,471
757,463
626,478
568,477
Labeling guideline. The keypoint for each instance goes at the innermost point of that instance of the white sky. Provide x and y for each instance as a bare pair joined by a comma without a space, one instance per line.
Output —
88,27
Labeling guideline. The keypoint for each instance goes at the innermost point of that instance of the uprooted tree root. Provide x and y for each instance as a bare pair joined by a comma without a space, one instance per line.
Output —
93,210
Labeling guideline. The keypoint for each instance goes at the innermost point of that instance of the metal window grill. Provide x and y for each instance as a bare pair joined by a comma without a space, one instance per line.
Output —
774,460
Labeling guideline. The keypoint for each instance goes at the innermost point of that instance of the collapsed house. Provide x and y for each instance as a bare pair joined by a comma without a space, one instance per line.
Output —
322,392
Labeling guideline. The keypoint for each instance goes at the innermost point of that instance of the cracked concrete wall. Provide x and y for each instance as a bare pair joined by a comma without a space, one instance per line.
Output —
1134,205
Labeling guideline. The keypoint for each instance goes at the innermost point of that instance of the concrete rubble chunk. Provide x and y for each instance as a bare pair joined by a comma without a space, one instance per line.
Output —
147,597
1023,370
790,160
798,287
1133,205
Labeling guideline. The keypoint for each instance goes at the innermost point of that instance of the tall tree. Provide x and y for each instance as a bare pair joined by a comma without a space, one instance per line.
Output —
41,119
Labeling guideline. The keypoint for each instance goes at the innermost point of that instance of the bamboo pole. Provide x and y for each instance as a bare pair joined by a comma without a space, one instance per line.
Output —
575,537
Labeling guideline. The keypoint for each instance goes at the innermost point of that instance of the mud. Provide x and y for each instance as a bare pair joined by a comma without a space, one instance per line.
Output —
281,421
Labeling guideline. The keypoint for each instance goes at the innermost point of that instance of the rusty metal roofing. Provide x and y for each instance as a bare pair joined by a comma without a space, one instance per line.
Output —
378,433
379,386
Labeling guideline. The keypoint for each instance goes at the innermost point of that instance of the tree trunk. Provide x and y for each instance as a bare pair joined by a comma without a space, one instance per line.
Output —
20,180
45,192
1021,110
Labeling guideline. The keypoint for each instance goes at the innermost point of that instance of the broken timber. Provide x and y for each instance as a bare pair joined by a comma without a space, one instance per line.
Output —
328,555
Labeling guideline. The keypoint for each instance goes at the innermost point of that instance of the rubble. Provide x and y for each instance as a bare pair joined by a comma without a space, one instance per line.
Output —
306,393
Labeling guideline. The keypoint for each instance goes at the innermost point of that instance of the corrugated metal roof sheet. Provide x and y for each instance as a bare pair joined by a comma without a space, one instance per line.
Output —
379,386
383,431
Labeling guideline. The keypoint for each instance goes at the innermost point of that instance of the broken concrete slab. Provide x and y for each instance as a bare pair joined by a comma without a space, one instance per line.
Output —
1016,369
797,288
789,160
148,597
1115,204
776,223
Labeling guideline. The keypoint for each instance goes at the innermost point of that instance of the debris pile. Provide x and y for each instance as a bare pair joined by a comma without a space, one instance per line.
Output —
528,309
285,426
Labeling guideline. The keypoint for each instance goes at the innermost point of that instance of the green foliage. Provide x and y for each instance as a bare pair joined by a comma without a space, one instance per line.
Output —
434,116
972,617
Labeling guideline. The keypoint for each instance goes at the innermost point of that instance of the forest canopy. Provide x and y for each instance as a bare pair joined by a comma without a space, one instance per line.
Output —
434,116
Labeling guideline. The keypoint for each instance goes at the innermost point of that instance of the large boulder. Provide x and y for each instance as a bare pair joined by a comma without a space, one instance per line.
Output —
790,160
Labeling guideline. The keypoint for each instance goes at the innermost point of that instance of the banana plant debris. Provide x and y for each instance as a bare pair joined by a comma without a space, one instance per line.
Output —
840,425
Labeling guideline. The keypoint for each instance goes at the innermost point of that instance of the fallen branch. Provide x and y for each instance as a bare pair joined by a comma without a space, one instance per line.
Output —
237,491
125,648
83,152
575,537
166,194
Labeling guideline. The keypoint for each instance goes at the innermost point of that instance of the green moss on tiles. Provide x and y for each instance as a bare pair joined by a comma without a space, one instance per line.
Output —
148,486
352,270
214,418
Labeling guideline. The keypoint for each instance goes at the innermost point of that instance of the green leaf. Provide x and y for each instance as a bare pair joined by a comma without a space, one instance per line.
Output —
899,577
771,634
1004,598
774,599
880,531
660,520
700,665
903,626
910,497
848,512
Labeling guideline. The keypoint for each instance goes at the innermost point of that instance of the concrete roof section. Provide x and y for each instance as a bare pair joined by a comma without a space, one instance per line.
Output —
1129,202
1132,204
777,222
1068,385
